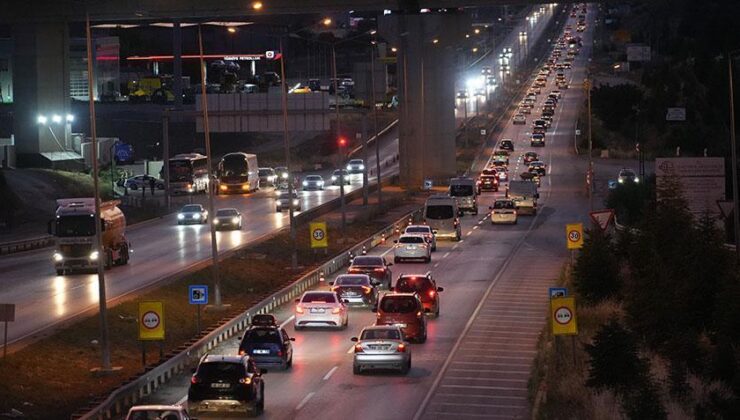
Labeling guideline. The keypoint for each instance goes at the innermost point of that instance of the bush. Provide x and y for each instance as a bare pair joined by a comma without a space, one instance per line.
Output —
614,361
596,272
629,200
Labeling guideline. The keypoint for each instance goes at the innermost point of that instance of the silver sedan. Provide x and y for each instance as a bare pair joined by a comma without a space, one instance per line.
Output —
381,347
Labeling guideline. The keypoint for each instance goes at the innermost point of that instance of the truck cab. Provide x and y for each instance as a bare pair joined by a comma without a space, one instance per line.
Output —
524,194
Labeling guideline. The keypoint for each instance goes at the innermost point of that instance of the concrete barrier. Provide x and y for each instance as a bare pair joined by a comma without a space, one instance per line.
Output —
26,244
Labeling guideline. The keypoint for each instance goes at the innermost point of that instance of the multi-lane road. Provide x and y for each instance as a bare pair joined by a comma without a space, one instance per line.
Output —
477,359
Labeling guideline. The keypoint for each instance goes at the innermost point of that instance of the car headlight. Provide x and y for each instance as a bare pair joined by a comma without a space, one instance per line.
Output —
305,183
234,220
620,180
333,177
58,257
321,182
94,256
349,168
285,175
637,180
215,221
180,216
295,202
223,187
196,216
245,187
362,167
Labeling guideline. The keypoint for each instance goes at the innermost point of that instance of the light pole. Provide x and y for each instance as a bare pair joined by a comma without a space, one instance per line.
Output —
733,154
339,137
375,123
587,86
286,145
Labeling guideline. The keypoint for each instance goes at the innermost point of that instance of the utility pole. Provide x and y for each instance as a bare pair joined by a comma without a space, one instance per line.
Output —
375,125
733,154
365,190
102,255
339,138
218,304
166,156
587,85
286,145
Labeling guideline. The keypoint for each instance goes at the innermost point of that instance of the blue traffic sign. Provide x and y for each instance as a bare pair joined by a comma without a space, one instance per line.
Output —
198,294
556,292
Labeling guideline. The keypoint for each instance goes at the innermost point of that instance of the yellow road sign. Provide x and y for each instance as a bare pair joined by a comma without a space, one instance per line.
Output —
319,238
151,320
574,235
563,316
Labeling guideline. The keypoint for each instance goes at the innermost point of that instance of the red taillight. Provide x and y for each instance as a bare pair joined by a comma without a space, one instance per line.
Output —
401,348
336,310
245,381
358,348
242,352
194,379
379,270
367,289
432,293
298,309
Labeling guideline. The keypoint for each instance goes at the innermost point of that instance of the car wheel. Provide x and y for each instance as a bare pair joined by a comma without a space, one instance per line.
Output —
423,338
406,367
356,370
428,259
289,364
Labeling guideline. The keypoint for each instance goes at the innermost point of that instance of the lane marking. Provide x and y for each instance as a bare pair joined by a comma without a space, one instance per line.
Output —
305,400
447,254
351,349
469,233
331,372
436,265
182,400
475,227
387,251
292,317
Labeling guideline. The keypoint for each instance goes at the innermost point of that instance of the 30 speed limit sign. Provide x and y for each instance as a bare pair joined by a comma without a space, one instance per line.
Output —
574,235
318,235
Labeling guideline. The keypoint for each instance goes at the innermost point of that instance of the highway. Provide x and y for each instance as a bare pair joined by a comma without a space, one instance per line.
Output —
160,249
477,359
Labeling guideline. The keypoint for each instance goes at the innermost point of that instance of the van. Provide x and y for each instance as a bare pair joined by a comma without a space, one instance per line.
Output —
524,195
441,214
464,192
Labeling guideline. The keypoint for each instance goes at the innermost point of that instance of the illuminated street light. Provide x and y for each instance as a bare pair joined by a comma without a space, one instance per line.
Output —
70,118
231,29
435,41
477,31
56,118
394,49
467,35
257,5
475,49
42,120
326,22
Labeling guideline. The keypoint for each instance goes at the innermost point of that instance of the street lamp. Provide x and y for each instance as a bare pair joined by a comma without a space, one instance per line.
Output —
733,155
58,119
257,5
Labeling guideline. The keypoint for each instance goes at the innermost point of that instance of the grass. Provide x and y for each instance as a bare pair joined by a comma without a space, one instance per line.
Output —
51,379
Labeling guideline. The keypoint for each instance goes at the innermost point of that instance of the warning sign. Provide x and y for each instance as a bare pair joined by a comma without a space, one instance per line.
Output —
602,217
574,235
151,321
563,316
318,235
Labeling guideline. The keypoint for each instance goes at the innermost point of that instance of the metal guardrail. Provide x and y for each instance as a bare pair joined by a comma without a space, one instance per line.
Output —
26,244
129,394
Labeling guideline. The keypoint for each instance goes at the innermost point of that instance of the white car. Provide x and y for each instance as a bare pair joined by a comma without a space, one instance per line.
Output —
381,347
503,211
519,119
320,309
356,166
627,175
147,412
425,231
525,110
313,182
412,247
192,213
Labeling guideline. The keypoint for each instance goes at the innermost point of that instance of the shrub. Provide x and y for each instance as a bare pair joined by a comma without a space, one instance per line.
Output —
596,272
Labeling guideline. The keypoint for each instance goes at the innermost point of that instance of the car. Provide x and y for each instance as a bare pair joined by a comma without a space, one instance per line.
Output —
503,174
536,89
268,346
425,231
227,219
530,157
403,310
192,213
411,247
538,167
268,176
462,94
539,123
487,183
336,177
374,266
501,156
537,140
627,175
355,289
548,120
320,309
424,286
143,181
530,177
503,211
281,172
285,200
264,320
556,93
539,129
381,347
313,182
548,111
525,110
224,385
486,70
156,412
506,144
356,166
519,119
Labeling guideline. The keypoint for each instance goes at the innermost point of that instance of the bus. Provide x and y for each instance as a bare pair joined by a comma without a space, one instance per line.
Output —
188,173
238,173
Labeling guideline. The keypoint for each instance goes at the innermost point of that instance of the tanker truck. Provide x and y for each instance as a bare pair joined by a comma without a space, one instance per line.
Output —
74,229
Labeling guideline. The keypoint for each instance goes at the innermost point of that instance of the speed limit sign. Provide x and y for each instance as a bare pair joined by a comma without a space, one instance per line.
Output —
574,235
318,235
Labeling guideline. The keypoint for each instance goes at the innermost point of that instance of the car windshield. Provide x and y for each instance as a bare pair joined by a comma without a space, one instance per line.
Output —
413,284
398,304
489,172
411,240
627,172
286,196
214,371
532,155
319,298
191,209
339,172
263,335
378,334
68,226
440,212
352,281
265,172
504,204
418,229
154,415
227,212
355,162
367,261
313,178
461,190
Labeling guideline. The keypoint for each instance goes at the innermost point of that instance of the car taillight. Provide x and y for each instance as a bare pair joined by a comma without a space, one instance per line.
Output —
336,310
358,348
245,381
379,270
367,289
298,309
333,288
401,348
194,379
242,352
432,293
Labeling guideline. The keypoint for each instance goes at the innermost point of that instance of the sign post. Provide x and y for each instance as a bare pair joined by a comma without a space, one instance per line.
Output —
7,314
198,296
563,319
574,238
151,325
319,238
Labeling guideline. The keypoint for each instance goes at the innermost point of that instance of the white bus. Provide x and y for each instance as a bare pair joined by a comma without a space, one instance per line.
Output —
238,173
188,173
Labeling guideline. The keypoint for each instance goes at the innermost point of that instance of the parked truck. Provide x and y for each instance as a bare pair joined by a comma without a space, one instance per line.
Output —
525,195
74,229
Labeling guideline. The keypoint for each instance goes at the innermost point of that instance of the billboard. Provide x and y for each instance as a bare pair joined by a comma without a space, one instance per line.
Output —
638,52
702,180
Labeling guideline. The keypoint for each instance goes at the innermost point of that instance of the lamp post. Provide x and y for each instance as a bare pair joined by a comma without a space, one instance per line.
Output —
587,86
733,155
286,145
375,123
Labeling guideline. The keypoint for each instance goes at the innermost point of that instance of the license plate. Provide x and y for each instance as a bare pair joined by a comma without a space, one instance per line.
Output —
220,385
260,351
379,347
351,294
317,310
400,325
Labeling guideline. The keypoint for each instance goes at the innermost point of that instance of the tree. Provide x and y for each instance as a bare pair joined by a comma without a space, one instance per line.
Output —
614,362
596,272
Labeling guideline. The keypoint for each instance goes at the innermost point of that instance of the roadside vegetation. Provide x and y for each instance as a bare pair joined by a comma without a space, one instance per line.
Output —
659,323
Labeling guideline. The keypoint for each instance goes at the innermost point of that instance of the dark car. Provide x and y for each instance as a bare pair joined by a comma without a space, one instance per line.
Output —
530,157
375,267
424,286
406,311
487,183
355,289
226,385
268,346
264,320
506,145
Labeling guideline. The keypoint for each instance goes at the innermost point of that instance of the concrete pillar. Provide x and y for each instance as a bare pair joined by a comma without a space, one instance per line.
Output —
40,85
426,131
177,63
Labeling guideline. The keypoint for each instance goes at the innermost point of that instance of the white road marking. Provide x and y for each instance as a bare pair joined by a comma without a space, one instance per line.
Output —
331,372
476,227
351,350
447,254
436,265
387,251
305,400
292,317
182,400
469,233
